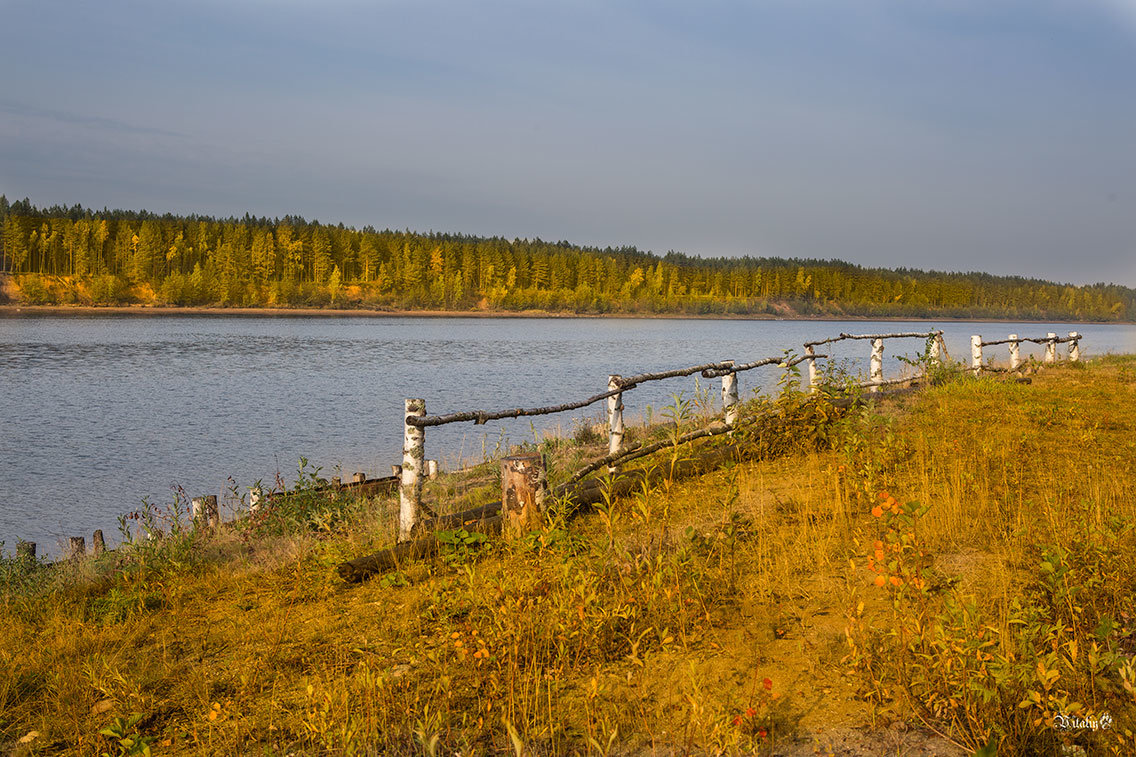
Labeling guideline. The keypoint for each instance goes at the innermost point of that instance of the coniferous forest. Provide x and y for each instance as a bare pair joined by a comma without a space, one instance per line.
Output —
73,255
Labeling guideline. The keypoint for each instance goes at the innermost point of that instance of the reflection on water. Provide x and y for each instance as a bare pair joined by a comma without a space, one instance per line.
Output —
102,411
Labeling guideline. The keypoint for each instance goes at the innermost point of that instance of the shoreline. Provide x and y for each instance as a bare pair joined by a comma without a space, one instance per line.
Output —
294,312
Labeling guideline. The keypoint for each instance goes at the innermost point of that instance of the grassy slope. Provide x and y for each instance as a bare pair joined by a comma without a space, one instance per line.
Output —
733,613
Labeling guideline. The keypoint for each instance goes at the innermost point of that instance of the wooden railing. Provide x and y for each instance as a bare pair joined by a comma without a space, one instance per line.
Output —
408,477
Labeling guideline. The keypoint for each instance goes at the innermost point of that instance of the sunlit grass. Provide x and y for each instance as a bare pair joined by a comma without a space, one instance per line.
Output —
737,612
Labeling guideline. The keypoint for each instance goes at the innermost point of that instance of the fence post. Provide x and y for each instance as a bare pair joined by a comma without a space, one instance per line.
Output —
976,354
431,469
730,395
359,477
255,495
876,365
614,420
413,457
98,543
1051,348
1015,353
78,547
523,488
936,351
1074,347
204,511
814,384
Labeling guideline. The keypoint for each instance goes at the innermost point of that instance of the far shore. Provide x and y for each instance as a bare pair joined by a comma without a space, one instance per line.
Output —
294,312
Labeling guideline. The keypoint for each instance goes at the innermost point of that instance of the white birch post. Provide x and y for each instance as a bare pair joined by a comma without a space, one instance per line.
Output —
730,396
814,384
1051,348
614,421
413,457
431,469
876,365
1015,353
976,354
936,351
205,511
1074,347
255,495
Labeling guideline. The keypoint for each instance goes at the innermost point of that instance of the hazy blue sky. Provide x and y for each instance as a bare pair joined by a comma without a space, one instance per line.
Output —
994,135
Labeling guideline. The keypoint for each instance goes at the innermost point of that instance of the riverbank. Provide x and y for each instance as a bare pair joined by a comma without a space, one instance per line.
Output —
293,312
948,569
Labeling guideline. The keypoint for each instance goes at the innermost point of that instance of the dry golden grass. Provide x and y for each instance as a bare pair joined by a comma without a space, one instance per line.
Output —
734,613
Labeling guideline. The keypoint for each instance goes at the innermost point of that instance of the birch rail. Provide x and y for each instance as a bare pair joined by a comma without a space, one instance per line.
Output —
899,335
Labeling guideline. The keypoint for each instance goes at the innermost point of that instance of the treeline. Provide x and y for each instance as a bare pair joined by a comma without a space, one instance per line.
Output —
75,255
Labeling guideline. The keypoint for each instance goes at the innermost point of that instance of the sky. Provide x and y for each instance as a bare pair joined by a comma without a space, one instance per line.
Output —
990,135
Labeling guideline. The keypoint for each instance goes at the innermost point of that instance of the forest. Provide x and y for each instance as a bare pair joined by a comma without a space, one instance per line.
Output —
74,255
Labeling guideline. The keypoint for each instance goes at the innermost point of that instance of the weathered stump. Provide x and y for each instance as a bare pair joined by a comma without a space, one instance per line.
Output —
78,547
359,477
98,544
205,512
25,550
523,489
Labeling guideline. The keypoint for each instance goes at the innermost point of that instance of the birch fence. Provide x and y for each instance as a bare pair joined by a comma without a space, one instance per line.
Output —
408,477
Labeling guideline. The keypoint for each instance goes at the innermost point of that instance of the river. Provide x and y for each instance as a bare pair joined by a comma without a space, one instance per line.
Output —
103,411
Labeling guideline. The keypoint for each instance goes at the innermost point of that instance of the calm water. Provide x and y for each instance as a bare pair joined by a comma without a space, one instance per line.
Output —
99,412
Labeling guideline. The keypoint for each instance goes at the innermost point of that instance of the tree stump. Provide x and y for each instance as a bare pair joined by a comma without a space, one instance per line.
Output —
98,544
205,512
524,485
78,547
360,477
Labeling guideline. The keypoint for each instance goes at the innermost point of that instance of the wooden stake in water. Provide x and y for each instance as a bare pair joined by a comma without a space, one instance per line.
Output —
524,486
614,421
413,459
876,365
1074,347
730,396
976,354
1051,347
1015,353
